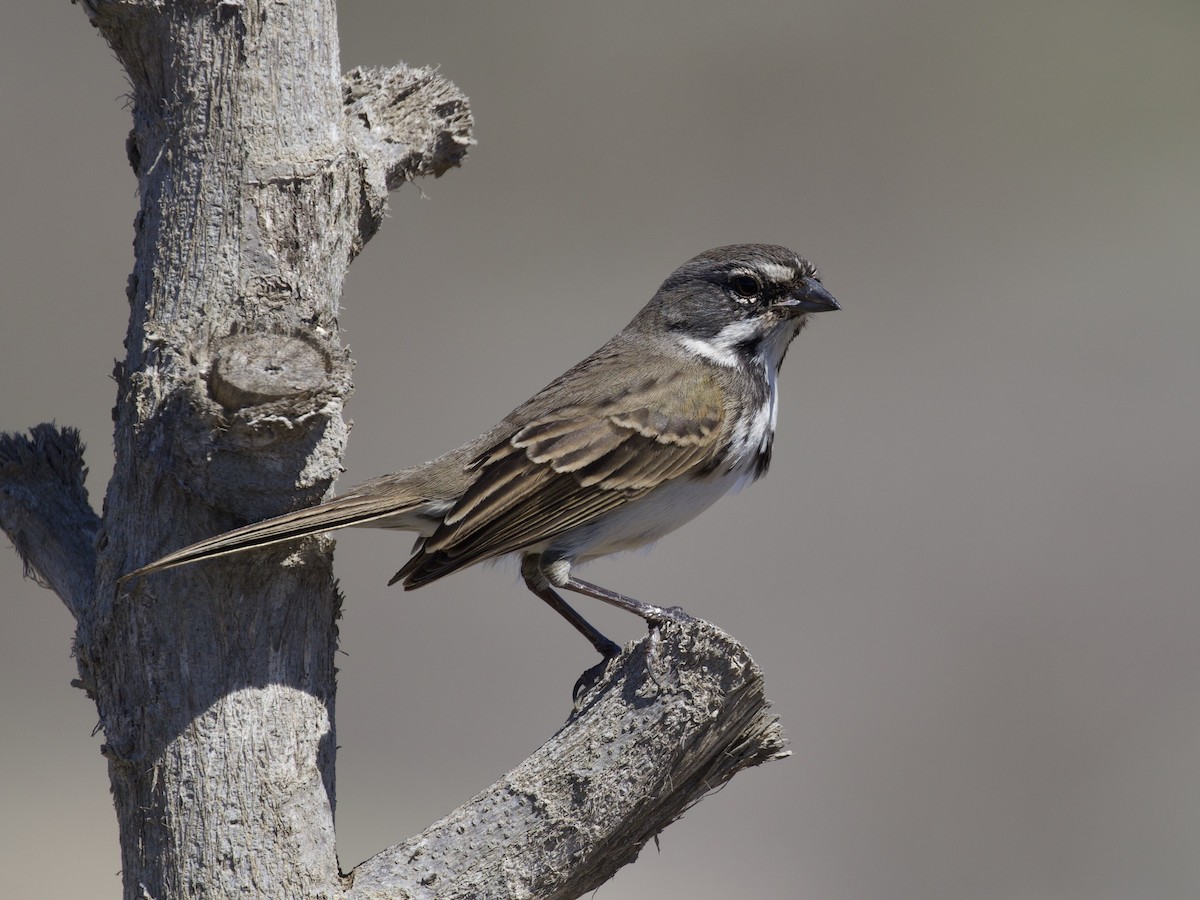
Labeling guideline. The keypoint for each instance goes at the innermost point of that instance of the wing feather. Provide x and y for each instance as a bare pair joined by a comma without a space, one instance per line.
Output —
571,466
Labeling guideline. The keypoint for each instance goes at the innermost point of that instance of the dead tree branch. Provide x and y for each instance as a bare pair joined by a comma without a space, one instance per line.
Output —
674,717
45,513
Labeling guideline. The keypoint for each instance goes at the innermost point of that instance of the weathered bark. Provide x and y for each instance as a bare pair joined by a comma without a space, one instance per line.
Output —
262,172
216,688
674,717
44,510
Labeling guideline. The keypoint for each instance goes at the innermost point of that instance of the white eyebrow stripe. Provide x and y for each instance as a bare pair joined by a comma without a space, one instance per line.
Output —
777,272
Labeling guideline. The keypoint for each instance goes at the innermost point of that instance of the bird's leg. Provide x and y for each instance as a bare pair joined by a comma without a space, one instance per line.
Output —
654,615
536,581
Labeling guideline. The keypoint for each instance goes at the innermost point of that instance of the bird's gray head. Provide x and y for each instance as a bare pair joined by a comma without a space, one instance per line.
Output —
732,299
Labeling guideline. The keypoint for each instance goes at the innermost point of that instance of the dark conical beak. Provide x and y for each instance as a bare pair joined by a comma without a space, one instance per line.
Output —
810,297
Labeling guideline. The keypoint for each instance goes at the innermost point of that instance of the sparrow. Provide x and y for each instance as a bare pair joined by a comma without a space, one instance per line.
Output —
675,411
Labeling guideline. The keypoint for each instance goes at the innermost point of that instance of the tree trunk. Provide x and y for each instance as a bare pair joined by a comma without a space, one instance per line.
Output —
216,687
261,173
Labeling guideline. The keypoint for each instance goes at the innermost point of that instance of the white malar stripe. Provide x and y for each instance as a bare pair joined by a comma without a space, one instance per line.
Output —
721,348
722,356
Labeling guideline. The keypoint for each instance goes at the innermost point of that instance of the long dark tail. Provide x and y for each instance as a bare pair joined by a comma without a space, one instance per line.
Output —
352,509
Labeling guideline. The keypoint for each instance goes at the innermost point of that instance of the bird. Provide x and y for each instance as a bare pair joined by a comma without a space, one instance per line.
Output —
675,411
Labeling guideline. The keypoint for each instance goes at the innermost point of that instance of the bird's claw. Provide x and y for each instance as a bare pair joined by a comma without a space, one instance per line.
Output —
592,677
663,614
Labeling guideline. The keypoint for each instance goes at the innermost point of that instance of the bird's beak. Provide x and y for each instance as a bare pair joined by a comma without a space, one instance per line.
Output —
810,297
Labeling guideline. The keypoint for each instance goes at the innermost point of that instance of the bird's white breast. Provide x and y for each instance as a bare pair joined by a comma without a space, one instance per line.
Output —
645,520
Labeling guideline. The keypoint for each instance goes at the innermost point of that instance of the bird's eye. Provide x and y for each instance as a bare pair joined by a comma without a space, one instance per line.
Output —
745,286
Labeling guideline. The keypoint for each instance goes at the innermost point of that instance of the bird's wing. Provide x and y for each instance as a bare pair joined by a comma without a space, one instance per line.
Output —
570,465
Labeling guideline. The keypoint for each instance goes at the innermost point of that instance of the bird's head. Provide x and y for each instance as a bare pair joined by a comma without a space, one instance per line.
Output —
732,302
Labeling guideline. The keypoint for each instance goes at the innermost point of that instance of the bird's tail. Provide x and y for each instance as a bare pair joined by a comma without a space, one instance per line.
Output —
352,509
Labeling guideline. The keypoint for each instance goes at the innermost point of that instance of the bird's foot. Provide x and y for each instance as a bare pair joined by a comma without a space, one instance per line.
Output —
593,676
659,615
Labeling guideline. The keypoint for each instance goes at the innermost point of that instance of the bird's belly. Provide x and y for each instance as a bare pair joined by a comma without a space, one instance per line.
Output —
642,521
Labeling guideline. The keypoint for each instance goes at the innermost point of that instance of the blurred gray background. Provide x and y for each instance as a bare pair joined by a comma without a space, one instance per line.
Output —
971,577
